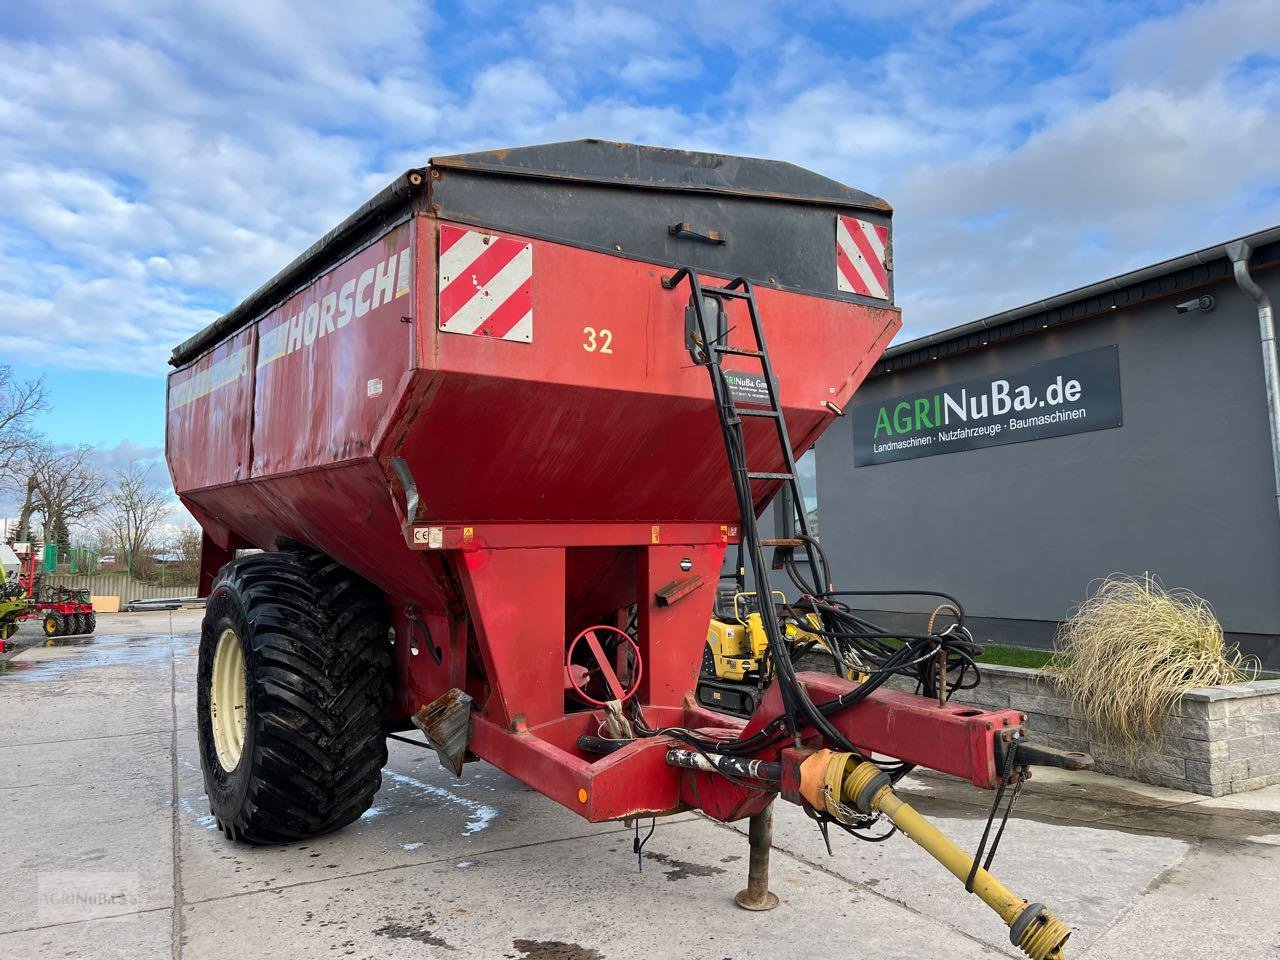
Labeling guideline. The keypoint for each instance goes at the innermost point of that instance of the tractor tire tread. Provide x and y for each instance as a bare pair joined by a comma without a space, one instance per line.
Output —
320,669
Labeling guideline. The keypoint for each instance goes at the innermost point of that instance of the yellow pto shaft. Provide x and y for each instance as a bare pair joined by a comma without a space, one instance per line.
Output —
1032,927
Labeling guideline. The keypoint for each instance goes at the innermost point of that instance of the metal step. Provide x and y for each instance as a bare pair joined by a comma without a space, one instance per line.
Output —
770,476
726,292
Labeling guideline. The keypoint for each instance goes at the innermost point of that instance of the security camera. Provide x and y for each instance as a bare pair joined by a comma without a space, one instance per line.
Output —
1203,304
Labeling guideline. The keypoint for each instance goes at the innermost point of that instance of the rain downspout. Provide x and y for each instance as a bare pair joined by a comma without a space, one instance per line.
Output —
1239,252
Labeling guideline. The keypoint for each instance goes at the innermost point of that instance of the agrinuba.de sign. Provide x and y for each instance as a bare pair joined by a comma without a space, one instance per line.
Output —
1072,394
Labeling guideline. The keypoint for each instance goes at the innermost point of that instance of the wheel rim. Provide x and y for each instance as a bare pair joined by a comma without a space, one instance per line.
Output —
227,700
50,627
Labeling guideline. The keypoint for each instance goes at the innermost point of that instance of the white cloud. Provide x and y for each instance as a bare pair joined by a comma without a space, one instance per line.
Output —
583,28
1145,170
646,70
157,163
110,459
1186,52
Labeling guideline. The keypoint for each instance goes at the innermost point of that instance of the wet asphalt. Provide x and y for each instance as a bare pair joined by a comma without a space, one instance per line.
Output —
107,849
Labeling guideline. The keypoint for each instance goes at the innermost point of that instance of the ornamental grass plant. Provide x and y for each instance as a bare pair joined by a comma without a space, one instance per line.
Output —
1128,653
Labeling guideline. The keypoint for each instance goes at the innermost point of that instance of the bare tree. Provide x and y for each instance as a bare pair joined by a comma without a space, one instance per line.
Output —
134,511
184,545
68,490
19,402
21,530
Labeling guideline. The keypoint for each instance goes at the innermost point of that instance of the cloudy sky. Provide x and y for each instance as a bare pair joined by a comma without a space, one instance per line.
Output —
158,161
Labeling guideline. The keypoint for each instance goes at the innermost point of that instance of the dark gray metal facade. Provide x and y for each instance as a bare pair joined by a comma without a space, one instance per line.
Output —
1183,489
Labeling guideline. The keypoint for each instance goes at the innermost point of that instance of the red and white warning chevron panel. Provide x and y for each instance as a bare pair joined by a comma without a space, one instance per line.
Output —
861,257
486,285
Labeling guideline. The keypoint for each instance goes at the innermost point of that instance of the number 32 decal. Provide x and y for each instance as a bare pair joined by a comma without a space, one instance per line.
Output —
597,340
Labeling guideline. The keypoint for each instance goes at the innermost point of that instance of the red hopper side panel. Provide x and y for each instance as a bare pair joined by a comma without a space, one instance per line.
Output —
208,416
561,389
331,358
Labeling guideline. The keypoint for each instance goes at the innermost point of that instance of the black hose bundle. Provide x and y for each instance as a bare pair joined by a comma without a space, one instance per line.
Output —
879,653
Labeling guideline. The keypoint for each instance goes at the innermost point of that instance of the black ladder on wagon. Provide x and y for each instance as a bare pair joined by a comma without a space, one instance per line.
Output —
708,346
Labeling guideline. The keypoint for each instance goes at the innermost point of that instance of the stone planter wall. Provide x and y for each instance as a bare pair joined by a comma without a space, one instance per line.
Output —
1222,739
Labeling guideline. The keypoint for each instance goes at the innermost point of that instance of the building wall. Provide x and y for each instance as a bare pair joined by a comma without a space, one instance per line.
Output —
1184,489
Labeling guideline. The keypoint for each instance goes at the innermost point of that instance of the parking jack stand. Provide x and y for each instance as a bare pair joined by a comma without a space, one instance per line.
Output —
757,896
